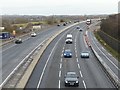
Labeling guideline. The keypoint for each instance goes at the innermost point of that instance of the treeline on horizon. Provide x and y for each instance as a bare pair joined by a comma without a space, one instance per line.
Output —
111,26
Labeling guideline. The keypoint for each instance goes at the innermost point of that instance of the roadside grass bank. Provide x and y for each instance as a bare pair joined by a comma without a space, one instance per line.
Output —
107,47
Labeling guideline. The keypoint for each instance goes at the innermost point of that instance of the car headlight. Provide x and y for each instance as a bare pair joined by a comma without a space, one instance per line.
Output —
70,54
66,81
64,54
76,81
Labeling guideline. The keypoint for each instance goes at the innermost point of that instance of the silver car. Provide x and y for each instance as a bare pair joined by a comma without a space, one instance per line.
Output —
71,79
85,55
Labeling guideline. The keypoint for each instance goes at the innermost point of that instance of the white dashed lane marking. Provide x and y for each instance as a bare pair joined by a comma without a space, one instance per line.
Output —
59,73
61,60
78,66
60,65
81,74
84,84
59,84
77,59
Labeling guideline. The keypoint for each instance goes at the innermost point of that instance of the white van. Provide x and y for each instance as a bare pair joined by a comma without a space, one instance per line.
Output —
69,36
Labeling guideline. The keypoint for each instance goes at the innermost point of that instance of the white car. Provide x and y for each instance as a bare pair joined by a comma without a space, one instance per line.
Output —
69,41
85,55
69,36
33,34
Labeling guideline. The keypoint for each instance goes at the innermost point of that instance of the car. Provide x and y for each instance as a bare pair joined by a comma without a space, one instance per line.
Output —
80,29
67,53
33,34
70,22
64,24
58,25
77,27
85,55
68,41
71,79
18,41
69,36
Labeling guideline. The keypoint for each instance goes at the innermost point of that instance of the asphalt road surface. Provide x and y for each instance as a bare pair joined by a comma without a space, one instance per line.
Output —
52,66
13,54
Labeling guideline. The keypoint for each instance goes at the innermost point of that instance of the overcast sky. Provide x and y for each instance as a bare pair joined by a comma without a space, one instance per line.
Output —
58,7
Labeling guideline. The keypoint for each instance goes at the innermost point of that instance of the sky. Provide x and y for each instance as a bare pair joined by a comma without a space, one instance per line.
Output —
58,7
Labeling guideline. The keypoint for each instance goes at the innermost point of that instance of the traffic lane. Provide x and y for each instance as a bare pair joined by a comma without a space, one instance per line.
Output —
53,72
10,61
34,79
91,70
109,61
57,68
23,48
71,64
12,57
45,31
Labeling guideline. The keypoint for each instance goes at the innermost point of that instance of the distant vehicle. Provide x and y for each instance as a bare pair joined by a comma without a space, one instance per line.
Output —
80,29
58,25
64,24
33,34
76,21
71,79
18,41
88,21
69,41
67,53
70,21
69,36
4,35
85,55
77,27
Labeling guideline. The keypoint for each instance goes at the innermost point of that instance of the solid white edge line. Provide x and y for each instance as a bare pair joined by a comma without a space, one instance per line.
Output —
85,42
106,56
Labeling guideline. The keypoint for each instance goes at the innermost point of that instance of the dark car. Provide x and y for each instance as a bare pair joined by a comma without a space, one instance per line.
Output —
69,41
67,53
77,27
18,41
71,79
58,25
85,55
64,24
80,29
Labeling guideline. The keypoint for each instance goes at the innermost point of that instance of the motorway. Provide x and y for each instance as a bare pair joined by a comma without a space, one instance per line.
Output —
13,54
107,57
52,66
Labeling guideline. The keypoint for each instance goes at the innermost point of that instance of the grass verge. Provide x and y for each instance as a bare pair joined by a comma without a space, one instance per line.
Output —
107,47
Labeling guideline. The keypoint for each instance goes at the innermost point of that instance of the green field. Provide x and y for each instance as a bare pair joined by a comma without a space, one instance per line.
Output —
25,24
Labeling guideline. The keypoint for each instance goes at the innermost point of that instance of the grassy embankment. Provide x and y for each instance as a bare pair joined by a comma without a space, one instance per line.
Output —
107,47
